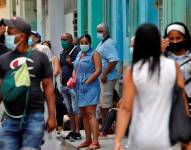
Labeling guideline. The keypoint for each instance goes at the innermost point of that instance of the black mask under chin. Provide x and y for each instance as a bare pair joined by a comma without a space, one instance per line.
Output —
176,47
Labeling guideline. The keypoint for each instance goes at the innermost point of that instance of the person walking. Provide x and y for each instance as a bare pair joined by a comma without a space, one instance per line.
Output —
177,46
109,55
87,69
35,41
26,131
147,94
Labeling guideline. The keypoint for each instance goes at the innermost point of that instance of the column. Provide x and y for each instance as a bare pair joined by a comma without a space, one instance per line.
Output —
40,17
55,24
119,28
81,17
95,16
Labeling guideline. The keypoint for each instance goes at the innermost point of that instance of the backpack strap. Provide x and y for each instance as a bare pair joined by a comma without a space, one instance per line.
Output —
25,110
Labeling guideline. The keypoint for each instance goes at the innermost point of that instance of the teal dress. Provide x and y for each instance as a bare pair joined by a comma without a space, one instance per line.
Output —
86,94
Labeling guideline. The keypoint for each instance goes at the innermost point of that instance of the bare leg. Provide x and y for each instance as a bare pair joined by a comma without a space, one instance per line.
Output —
93,123
77,123
72,122
86,124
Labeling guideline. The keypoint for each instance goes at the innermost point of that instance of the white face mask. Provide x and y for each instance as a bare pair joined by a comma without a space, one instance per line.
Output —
10,42
100,36
131,50
84,48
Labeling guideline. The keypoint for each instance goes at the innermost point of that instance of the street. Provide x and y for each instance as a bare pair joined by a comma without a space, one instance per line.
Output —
51,143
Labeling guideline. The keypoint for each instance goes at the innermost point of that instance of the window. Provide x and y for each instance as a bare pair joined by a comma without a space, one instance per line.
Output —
75,20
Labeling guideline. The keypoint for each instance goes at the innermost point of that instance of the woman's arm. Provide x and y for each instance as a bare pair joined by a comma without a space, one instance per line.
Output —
56,66
97,63
125,108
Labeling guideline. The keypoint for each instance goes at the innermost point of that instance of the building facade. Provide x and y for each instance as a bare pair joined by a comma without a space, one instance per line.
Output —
124,16
53,17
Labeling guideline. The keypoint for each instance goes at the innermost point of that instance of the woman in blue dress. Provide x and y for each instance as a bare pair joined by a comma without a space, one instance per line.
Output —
87,69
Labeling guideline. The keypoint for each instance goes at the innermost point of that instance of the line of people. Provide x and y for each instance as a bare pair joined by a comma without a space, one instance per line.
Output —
81,83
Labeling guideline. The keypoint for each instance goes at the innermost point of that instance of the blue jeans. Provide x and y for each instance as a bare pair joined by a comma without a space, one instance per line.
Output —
70,100
30,136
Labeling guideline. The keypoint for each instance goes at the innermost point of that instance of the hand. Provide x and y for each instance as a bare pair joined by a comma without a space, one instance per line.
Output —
51,124
118,146
103,78
164,44
69,60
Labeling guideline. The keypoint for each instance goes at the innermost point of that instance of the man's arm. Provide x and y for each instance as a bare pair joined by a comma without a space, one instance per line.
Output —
50,98
109,68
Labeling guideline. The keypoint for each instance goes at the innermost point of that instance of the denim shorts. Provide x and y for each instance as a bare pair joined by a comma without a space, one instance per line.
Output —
30,136
70,100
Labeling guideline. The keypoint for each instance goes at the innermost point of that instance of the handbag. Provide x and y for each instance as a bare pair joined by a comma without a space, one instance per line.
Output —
180,120
72,80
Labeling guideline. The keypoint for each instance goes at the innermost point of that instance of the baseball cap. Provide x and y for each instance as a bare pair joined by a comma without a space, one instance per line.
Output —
36,34
19,23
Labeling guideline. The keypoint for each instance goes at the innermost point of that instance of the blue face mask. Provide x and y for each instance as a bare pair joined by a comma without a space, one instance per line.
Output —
100,36
30,42
84,48
10,42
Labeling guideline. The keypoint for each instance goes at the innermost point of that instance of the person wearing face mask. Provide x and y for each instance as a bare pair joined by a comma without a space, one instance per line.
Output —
177,45
35,42
13,135
67,56
109,55
87,66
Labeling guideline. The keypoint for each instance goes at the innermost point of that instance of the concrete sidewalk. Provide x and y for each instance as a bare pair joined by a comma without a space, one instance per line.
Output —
107,143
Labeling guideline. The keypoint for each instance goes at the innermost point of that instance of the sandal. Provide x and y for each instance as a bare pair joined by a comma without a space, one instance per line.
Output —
84,144
94,145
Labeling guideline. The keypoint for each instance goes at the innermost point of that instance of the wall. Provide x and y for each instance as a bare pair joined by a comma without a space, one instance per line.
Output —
5,12
68,26
55,21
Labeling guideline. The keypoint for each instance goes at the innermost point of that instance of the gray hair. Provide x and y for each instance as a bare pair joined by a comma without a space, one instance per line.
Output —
104,26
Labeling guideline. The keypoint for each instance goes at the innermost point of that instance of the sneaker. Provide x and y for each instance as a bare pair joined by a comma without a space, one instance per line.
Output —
77,136
59,129
70,135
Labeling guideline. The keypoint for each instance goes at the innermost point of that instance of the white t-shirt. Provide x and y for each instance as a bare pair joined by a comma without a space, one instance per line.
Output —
44,49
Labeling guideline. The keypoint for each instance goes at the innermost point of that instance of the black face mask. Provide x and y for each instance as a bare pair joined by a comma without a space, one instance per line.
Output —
2,38
176,47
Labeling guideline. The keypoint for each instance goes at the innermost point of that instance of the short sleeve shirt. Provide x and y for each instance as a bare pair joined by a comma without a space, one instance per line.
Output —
184,62
39,69
108,52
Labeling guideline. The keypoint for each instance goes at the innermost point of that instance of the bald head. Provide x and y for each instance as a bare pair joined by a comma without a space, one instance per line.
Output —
67,37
